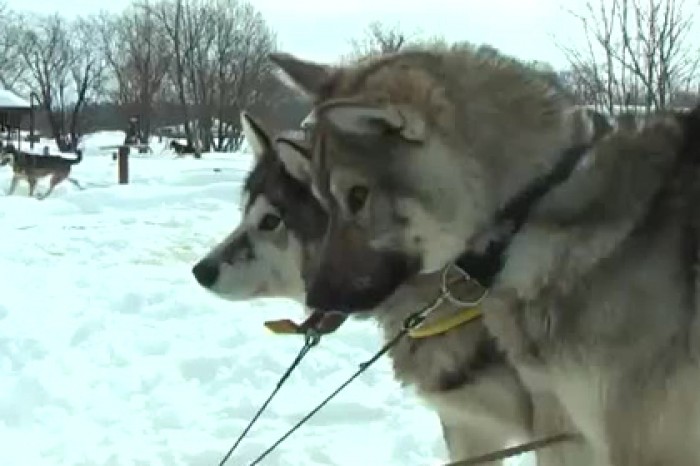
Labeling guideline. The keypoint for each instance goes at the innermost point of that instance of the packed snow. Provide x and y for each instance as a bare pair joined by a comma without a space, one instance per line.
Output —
111,354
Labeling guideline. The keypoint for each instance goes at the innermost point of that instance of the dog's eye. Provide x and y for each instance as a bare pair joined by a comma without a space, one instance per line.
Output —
357,197
269,222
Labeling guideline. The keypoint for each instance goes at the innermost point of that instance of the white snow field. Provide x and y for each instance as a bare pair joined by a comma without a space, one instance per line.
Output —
110,353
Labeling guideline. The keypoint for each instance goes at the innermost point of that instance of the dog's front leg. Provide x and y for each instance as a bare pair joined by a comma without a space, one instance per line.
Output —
55,179
483,416
32,186
550,418
13,185
45,195
505,320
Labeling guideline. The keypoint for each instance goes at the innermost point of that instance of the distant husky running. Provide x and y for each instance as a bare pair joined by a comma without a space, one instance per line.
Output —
32,168
433,156
480,401
182,149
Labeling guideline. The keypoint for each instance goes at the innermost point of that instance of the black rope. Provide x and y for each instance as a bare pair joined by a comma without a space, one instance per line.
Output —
411,322
311,339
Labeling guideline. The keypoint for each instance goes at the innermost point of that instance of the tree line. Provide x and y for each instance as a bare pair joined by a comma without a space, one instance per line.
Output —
195,64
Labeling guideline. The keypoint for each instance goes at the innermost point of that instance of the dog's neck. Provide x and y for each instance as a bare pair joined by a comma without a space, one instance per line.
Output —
485,257
514,168
520,173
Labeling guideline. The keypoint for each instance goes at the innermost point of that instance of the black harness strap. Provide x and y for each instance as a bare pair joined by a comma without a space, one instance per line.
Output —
485,266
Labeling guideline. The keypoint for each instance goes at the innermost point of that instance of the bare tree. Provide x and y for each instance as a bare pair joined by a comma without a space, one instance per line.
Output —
243,75
45,50
580,82
200,39
378,38
219,61
64,68
192,62
637,53
593,69
227,70
170,14
87,71
139,58
12,68
659,31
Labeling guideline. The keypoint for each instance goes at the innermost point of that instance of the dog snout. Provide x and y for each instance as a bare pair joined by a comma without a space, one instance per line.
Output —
206,272
351,276
322,297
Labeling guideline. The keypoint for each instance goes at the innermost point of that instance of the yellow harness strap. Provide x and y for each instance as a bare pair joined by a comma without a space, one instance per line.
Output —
445,325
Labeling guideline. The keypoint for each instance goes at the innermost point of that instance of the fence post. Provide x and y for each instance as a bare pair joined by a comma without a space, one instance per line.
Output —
123,164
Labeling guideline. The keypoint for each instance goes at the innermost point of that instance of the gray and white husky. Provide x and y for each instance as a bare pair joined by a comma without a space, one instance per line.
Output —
426,157
280,229
477,395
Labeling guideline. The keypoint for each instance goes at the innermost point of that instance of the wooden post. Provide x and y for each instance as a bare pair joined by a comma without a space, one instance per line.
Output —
123,164
32,120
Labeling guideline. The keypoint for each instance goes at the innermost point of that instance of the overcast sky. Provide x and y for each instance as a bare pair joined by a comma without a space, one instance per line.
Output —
322,29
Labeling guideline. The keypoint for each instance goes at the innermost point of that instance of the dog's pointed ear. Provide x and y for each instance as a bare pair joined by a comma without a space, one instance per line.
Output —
295,157
257,138
306,76
361,119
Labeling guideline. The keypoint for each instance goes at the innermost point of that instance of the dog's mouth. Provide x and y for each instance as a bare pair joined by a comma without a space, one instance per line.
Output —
352,276
366,293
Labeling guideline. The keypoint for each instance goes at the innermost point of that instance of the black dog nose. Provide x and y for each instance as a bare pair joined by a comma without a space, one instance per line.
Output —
206,272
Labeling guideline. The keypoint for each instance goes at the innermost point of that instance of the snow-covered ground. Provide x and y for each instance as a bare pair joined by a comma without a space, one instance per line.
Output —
110,354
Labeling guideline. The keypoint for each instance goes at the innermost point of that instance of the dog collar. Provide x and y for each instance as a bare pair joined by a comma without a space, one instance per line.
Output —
441,326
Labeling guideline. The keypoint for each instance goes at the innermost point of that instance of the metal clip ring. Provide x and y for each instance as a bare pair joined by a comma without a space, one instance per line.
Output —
444,287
